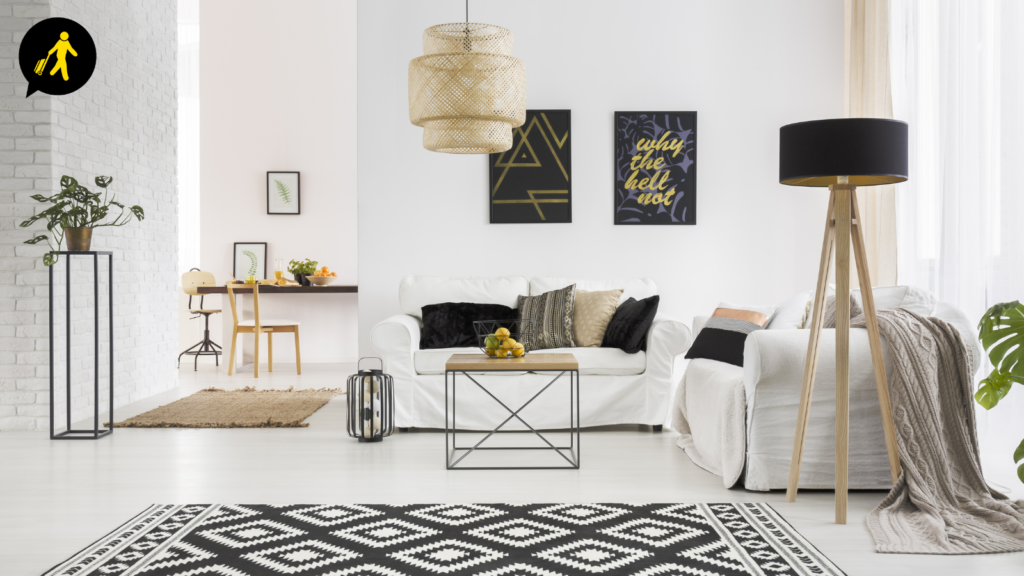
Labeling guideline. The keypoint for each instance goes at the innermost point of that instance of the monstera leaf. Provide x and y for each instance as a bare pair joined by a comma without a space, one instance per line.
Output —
993,389
104,181
1002,335
1018,456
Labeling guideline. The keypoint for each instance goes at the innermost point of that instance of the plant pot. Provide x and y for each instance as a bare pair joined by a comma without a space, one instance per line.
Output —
79,239
302,279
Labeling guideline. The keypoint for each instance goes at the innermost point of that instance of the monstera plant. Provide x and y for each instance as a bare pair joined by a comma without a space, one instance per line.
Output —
1002,335
75,207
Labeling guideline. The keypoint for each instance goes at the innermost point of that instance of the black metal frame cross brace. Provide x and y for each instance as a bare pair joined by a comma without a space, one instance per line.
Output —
451,448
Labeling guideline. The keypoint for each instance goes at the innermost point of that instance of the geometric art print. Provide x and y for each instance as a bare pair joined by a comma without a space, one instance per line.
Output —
532,181
458,539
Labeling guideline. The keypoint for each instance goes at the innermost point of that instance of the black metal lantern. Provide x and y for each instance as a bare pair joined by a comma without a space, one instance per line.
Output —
371,404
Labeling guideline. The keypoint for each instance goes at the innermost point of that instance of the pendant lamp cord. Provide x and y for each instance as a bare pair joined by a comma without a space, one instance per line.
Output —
467,11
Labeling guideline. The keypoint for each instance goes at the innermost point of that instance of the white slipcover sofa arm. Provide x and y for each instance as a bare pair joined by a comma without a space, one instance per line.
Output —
666,339
396,339
773,366
698,324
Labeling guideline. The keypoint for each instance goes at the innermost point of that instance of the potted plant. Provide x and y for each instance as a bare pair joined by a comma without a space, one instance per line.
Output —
302,269
75,212
1001,332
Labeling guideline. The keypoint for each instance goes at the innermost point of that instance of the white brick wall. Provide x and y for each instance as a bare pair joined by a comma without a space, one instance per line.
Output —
122,123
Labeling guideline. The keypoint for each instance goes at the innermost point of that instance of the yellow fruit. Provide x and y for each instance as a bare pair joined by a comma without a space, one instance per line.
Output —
501,352
491,352
501,333
508,344
518,350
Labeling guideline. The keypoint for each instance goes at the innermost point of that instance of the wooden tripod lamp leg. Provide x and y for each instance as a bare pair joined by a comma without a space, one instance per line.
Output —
811,363
876,343
843,217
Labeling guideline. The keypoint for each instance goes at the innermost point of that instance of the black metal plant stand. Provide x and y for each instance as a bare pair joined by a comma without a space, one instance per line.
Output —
96,432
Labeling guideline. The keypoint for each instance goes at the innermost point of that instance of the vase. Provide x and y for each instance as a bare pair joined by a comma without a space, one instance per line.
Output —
301,279
79,239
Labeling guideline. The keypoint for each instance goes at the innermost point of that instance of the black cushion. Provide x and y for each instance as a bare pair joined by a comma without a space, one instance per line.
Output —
629,326
718,344
450,325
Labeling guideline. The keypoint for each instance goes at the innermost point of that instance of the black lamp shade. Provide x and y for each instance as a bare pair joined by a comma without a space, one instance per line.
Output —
870,151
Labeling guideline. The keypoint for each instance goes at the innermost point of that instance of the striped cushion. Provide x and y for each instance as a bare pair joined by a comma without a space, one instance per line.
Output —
551,314
725,333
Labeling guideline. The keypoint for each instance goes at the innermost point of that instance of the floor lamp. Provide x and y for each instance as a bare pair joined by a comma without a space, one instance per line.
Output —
842,154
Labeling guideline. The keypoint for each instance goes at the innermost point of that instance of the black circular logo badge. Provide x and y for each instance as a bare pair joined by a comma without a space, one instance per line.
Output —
57,56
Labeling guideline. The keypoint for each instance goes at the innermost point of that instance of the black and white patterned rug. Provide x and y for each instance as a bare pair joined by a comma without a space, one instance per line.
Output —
460,539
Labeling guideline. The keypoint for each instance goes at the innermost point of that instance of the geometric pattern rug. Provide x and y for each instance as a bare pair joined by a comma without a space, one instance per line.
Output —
459,539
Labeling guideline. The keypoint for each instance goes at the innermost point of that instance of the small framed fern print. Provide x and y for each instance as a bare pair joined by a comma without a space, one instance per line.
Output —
250,260
283,193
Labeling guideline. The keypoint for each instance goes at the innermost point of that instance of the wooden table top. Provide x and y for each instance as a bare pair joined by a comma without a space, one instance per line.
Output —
532,361
270,289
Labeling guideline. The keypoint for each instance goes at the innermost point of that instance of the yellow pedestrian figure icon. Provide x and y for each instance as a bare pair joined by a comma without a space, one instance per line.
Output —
62,47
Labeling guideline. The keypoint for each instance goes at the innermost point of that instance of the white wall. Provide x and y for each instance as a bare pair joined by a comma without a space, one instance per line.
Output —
122,124
277,92
747,68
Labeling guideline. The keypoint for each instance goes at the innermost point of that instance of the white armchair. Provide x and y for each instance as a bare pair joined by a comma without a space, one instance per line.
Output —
740,421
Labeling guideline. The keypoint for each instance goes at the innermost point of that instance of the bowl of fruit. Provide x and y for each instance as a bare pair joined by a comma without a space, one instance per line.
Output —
501,338
322,277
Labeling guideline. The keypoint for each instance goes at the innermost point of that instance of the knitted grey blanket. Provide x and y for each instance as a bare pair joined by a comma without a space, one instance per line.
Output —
940,503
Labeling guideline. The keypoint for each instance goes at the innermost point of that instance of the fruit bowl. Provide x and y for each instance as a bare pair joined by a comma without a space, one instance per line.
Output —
501,338
321,280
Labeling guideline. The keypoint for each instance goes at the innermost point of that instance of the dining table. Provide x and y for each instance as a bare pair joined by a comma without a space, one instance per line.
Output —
243,303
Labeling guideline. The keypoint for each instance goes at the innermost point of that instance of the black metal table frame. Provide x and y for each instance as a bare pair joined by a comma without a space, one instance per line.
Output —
96,432
574,424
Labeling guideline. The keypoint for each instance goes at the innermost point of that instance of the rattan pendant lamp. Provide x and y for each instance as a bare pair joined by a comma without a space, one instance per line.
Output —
467,91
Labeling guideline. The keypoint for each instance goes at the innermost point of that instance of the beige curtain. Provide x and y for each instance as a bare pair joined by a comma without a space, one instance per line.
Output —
869,95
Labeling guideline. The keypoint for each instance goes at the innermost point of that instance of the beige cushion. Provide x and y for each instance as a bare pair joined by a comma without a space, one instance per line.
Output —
593,361
591,314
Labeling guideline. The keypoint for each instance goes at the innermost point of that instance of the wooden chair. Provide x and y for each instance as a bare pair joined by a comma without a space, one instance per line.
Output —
259,326
190,282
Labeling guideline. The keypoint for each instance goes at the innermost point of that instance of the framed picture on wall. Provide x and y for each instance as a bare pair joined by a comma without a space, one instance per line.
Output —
283,193
532,181
250,260
655,168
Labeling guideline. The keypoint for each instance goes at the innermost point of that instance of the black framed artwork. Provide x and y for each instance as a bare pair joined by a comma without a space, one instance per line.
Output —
655,168
283,194
532,181
250,259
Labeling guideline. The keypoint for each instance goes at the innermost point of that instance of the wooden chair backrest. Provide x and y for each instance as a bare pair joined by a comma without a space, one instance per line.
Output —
192,280
255,301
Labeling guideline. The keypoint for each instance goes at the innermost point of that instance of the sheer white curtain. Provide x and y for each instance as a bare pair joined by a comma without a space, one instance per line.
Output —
188,134
958,79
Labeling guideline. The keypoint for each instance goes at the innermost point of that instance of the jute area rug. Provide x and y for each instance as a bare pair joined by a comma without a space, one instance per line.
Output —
245,408
456,539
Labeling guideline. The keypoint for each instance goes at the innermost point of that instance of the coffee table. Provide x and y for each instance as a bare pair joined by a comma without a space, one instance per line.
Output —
558,364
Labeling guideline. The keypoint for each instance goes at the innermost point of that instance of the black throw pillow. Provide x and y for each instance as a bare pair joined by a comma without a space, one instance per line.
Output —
450,325
629,326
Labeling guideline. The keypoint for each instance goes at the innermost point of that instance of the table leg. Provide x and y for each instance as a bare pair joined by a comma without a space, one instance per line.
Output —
228,327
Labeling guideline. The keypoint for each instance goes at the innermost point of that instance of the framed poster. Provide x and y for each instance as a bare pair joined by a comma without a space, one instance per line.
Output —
283,193
250,260
655,167
532,181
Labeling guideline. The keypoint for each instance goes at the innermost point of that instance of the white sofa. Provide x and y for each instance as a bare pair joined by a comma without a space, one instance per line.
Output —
616,387
739,422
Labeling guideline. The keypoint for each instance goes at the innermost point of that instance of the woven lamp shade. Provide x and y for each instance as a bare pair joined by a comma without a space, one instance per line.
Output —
467,92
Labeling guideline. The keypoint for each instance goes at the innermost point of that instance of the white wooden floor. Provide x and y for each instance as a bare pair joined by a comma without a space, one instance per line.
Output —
57,497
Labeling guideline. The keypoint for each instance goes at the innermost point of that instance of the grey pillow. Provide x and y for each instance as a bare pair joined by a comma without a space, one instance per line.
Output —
551,315
829,321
